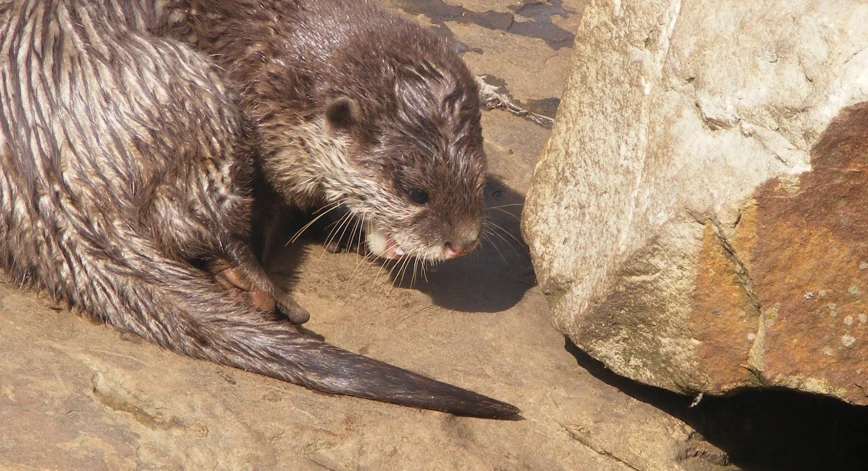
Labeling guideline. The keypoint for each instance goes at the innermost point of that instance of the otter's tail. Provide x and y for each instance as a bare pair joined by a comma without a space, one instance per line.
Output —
177,307
278,350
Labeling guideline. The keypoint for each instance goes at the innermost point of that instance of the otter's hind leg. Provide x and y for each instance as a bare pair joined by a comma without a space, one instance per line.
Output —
202,216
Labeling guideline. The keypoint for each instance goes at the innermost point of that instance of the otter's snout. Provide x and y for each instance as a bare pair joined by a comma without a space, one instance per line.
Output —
455,250
462,240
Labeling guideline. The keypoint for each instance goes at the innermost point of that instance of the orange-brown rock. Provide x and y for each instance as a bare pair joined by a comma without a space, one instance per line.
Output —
805,247
780,300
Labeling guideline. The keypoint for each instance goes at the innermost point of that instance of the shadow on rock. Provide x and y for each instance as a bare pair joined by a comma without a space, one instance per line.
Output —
759,429
536,19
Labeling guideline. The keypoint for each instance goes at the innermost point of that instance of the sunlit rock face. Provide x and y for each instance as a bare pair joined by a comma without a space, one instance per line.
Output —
697,218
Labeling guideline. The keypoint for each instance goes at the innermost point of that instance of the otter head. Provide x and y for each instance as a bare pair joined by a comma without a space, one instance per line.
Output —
414,159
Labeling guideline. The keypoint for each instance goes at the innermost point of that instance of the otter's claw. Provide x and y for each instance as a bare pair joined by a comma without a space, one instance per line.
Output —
288,307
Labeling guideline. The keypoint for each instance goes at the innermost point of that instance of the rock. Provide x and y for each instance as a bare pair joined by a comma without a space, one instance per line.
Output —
697,218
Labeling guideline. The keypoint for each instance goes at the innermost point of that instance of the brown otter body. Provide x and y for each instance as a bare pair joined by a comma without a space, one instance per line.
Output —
124,182
356,107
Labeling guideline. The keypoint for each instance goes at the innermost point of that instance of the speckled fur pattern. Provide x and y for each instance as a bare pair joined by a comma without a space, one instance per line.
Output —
414,119
125,169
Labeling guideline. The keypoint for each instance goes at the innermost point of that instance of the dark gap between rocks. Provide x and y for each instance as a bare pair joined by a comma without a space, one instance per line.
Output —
761,430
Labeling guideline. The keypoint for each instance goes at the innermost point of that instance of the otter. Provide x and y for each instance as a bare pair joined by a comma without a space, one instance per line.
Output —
126,189
356,108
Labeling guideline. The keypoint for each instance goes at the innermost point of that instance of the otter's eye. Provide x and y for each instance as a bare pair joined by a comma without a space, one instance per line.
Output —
418,196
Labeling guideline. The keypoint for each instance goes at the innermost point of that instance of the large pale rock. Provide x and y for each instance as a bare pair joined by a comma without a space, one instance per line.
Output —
697,218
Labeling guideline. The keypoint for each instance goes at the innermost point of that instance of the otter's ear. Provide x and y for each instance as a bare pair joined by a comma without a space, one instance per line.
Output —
342,114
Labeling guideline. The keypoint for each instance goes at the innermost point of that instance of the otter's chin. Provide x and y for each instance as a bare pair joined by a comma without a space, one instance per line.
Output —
381,244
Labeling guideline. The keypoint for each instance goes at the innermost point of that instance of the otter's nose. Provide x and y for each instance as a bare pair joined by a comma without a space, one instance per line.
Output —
454,250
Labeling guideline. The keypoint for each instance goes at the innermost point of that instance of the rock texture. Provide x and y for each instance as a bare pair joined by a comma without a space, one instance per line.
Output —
697,217
77,396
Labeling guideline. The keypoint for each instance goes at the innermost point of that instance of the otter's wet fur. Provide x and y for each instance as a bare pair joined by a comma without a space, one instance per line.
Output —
125,171
356,107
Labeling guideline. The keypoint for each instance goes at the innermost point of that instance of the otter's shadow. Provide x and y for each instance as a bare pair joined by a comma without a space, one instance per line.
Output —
492,278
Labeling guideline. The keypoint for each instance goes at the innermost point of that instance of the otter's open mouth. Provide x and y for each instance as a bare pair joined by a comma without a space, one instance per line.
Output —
381,244
393,251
